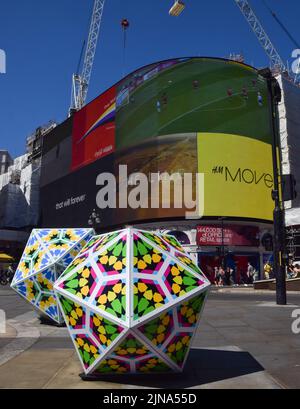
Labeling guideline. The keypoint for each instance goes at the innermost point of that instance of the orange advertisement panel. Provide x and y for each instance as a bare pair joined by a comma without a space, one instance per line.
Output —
94,130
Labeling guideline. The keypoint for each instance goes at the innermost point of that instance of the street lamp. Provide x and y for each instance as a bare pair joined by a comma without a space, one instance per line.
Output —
94,220
274,99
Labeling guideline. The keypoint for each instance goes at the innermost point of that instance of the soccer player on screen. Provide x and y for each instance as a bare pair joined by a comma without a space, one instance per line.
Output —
230,92
196,84
158,106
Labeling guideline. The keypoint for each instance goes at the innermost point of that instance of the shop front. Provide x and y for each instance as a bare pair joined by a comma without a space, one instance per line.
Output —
236,253
12,243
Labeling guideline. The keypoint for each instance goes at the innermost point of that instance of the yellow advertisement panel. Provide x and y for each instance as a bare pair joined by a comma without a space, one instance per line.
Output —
238,176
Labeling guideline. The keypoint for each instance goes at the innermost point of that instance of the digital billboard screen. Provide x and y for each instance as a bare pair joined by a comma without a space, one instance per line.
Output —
186,116
94,130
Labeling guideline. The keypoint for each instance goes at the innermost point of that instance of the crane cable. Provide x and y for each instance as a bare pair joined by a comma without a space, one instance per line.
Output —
80,57
125,25
274,15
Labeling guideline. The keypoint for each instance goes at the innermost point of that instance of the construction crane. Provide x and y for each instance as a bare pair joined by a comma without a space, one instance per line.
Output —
80,82
275,59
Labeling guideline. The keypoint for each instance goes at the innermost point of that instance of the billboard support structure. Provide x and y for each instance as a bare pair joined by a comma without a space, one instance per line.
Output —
279,247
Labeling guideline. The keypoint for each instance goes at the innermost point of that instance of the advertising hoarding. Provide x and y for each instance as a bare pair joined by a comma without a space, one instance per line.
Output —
238,176
196,115
94,130
229,235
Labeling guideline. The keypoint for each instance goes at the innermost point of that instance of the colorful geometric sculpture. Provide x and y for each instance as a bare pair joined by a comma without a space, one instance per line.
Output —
132,301
47,254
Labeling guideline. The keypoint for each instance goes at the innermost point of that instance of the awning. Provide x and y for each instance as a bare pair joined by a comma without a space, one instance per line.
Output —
5,258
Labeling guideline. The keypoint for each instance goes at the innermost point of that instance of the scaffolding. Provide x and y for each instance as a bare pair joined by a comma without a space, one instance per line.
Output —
34,142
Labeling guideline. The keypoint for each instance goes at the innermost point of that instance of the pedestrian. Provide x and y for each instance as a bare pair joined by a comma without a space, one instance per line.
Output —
296,271
216,276
227,276
250,273
259,99
10,273
290,272
221,276
232,276
267,271
255,275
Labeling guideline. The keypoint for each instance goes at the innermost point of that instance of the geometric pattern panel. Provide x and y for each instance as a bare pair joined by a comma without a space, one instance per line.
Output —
172,331
45,257
131,300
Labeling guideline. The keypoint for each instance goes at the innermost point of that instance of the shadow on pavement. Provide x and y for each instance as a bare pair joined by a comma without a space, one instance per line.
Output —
203,366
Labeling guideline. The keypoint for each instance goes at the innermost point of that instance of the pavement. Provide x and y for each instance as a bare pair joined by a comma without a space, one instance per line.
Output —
244,341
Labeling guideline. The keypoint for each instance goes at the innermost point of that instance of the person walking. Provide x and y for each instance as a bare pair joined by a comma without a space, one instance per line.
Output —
221,276
227,276
250,274
10,273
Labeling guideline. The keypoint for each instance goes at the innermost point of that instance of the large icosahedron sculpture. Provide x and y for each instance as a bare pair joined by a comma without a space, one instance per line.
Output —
132,301
47,254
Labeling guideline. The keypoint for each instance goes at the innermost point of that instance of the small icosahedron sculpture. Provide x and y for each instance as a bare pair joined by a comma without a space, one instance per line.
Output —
132,301
47,254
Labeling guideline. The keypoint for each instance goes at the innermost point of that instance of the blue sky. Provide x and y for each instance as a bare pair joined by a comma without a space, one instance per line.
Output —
42,40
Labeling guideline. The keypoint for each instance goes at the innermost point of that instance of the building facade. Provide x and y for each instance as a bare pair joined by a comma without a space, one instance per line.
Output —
289,121
5,161
20,194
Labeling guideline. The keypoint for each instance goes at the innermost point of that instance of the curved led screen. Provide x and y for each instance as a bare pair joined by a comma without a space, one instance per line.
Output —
185,116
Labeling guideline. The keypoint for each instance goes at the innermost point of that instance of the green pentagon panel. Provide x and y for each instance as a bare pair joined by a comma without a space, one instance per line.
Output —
153,364
104,240
172,241
75,314
87,348
179,281
158,330
131,348
104,330
187,261
113,365
155,239
178,347
146,258
113,260
82,283
148,297
188,311
111,298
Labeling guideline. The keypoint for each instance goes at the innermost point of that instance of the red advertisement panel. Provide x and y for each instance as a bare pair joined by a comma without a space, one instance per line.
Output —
94,130
232,235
